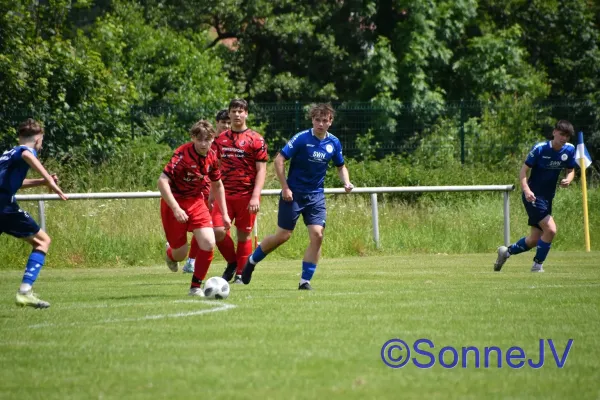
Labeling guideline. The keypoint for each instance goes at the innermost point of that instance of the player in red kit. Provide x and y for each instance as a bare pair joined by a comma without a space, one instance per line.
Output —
222,123
243,169
182,206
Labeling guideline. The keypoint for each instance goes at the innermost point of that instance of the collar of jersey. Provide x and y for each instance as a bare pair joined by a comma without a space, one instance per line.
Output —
312,133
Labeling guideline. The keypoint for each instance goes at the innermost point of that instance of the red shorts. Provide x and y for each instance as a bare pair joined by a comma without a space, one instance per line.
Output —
238,211
175,231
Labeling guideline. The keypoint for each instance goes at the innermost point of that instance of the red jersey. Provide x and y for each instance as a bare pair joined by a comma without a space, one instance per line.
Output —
188,170
206,188
239,153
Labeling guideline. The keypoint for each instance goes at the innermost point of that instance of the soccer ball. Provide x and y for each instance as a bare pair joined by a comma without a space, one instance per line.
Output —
216,288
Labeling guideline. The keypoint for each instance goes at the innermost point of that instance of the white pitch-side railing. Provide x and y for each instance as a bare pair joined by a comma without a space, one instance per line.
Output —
373,191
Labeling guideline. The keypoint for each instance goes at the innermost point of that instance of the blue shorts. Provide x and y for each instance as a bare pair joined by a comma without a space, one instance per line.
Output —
537,211
16,222
311,206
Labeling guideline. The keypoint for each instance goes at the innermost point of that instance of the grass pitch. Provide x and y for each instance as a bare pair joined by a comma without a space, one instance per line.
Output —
134,333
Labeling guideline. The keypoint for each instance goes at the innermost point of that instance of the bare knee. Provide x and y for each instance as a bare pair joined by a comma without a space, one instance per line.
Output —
283,236
40,241
316,237
220,234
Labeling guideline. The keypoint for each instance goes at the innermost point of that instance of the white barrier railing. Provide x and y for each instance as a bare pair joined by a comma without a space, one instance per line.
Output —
373,191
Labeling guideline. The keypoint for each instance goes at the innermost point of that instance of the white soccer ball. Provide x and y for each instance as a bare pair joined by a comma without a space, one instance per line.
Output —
216,288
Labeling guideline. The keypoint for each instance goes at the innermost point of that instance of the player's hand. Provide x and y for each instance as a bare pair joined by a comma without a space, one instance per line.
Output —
529,196
211,201
287,195
254,205
180,215
565,183
226,222
348,187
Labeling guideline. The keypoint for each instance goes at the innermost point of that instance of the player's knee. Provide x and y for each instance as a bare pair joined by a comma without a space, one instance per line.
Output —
551,231
316,236
283,236
41,241
220,235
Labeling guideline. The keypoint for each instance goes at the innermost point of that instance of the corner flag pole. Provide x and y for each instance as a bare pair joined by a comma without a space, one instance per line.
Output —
586,222
584,160
256,233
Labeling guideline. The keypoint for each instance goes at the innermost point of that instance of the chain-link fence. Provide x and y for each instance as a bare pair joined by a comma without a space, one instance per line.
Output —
463,131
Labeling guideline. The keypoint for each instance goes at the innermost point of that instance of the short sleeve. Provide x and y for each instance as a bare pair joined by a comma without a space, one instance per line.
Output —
170,168
291,147
533,156
260,150
338,158
215,172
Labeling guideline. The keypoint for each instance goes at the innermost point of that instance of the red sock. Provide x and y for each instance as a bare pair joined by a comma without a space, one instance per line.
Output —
170,253
227,248
201,266
194,249
244,250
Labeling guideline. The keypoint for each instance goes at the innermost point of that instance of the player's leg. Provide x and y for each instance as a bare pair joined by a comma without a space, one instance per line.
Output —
176,234
311,255
244,223
287,216
544,243
206,244
19,224
189,263
315,216
526,243
200,223
188,268
224,241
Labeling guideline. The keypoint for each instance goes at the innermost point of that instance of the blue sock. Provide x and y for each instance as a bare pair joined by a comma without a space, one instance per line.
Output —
257,256
542,251
308,270
33,267
519,247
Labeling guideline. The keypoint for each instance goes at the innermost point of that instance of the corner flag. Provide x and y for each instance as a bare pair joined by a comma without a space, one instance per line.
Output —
582,157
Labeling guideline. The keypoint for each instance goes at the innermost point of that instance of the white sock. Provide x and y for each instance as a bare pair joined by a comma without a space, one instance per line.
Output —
303,281
25,287
251,260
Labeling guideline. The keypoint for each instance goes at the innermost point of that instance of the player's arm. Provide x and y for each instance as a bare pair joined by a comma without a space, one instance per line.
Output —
568,178
529,196
345,178
34,163
279,164
167,195
218,191
259,183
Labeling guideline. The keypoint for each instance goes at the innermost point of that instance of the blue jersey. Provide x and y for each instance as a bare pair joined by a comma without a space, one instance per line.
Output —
13,170
546,165
310,157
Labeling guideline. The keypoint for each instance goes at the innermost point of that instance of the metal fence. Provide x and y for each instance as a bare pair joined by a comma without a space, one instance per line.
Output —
373,191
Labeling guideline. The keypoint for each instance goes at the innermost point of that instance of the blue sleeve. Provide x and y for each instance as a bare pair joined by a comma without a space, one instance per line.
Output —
572,161
533,156
291,147
338,158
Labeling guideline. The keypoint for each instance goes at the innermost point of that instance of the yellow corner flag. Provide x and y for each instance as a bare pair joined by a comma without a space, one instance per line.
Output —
584,160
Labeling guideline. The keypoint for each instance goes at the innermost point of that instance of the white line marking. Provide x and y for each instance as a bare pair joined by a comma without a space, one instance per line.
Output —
220,307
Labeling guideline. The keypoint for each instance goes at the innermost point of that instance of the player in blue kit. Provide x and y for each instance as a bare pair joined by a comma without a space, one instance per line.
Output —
303,191
14,165
546,160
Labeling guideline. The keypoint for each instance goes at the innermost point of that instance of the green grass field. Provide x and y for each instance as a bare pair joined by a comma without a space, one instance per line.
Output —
134,333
